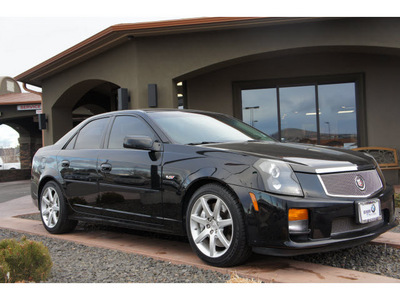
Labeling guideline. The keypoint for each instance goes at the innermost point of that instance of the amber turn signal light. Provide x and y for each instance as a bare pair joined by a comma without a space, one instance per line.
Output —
254,200
296,214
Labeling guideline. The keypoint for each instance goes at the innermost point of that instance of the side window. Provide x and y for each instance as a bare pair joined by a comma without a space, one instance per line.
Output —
127,125
89,137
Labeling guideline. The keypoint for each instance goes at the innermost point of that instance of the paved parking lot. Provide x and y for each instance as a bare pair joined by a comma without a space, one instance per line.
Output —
13,190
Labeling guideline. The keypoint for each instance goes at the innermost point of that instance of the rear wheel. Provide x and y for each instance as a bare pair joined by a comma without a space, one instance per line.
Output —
216,227
53,210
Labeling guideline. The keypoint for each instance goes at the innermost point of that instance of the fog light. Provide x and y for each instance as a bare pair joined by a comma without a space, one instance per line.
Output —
298,220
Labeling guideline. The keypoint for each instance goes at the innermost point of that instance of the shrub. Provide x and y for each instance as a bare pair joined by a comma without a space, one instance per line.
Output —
397,200
24,261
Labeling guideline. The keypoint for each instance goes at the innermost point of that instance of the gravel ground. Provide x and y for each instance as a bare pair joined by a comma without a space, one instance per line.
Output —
81,264
75,263
369,258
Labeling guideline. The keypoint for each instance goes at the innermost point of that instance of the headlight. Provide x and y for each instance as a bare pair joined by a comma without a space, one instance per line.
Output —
278,177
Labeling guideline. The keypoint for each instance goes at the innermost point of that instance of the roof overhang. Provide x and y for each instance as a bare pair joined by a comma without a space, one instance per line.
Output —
118,34
20,98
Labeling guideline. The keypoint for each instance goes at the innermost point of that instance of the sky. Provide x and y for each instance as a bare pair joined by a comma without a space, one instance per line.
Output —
34,31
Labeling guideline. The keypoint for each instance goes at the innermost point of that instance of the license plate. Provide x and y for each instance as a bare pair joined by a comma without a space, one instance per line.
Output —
369,211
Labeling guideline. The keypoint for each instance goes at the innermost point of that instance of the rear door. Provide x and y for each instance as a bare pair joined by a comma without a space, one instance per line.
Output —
78,166
130,178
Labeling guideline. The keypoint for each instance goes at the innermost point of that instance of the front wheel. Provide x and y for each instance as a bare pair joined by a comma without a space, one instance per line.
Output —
216,228
53,210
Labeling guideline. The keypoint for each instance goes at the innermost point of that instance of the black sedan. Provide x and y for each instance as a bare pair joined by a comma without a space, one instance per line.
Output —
230,188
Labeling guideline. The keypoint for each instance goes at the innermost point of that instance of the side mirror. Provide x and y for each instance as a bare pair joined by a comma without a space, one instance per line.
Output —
141,142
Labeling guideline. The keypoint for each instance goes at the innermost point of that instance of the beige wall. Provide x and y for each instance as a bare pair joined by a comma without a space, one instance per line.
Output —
209,61
213,91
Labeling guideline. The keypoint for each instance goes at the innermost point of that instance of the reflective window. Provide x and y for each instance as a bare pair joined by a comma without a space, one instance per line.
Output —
127,125
298,114
338,121
260,110
90,136
324,114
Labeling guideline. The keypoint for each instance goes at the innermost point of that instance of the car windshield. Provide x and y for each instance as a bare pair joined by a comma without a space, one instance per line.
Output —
195,128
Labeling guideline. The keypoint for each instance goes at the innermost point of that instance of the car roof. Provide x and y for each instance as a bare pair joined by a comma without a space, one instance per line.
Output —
146,111
150,110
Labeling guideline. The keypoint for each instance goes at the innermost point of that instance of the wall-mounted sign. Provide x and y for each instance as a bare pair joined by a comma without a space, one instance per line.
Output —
29,107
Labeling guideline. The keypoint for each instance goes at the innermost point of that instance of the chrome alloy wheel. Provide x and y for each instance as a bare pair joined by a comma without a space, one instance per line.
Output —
50,207
211,225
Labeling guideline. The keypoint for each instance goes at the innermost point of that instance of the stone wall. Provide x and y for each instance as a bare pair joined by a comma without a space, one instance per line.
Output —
15,175
28,147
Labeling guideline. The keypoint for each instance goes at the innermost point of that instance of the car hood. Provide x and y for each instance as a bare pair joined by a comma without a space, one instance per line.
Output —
304,158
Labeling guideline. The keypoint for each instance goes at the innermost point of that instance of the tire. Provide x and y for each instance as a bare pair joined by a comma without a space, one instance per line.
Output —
54,211
216,228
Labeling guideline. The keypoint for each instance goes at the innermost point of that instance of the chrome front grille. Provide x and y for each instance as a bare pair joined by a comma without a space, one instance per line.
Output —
345,184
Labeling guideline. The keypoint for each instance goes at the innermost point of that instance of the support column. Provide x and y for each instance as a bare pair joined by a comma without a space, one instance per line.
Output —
25,152
60,122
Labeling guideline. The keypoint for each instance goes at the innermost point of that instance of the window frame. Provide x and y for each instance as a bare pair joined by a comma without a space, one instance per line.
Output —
75,136
155,136
357,78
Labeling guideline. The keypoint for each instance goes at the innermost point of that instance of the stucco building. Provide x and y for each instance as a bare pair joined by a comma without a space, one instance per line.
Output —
330,81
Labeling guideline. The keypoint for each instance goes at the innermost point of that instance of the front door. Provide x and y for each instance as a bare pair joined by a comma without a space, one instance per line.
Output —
130,179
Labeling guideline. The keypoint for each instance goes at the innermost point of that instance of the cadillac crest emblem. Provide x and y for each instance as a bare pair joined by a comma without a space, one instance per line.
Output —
360,183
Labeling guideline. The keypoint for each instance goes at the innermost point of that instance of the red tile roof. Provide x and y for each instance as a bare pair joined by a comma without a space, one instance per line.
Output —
20,98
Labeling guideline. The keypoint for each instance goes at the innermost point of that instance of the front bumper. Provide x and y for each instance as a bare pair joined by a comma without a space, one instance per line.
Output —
332,223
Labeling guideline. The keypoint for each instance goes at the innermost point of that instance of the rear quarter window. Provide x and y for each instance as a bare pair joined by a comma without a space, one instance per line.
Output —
90,136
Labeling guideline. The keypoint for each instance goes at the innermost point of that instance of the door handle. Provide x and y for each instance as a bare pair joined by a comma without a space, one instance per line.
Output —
65,164
106,168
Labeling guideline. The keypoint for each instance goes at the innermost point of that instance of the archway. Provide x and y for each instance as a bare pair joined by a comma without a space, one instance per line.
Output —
17,153
9,148
82,101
